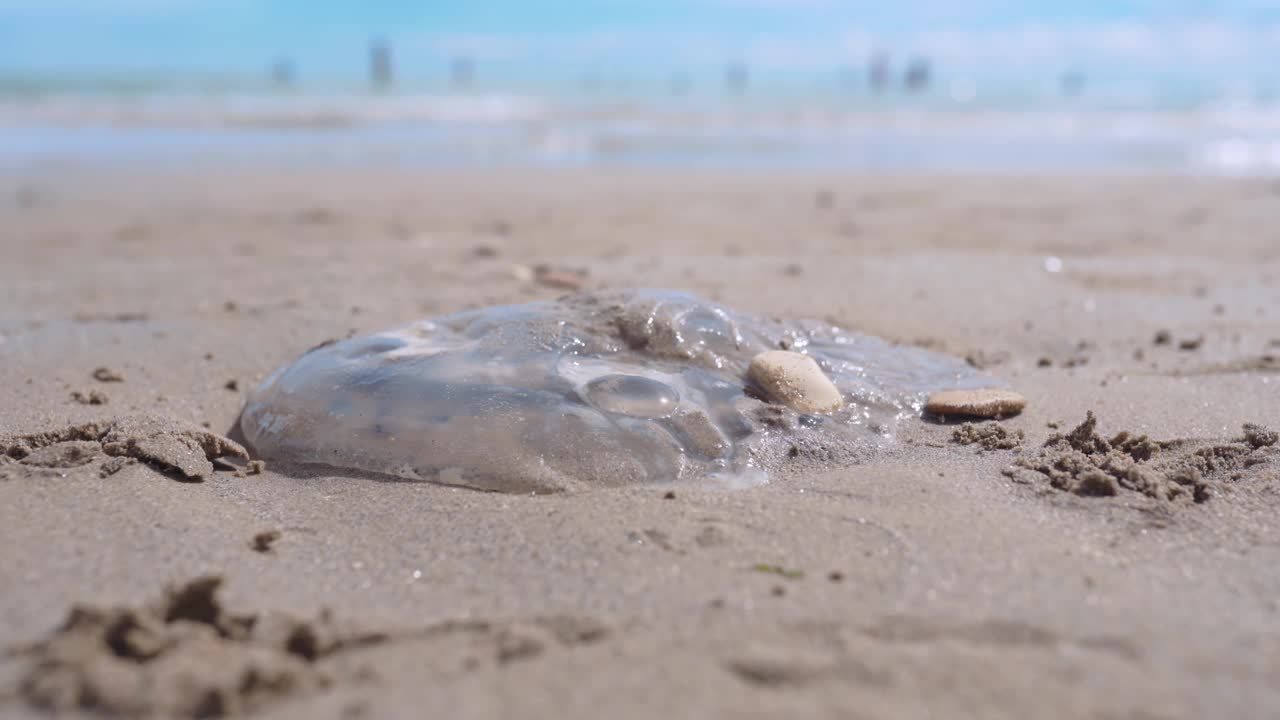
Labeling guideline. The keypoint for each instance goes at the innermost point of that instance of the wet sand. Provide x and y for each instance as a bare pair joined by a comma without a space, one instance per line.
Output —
927,582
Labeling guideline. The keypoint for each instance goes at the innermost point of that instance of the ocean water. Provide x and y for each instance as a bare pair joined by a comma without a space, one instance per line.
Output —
957,128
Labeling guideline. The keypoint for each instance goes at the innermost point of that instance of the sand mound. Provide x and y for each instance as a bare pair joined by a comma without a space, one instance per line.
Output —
186,656
183,656
1084,463
988,436
168,445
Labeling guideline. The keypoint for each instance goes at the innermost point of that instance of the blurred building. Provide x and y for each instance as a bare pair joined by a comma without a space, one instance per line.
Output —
917,76
381,74
283,74
736,78
878,72
462,73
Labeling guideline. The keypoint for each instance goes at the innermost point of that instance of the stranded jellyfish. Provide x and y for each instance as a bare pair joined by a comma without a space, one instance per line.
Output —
644,386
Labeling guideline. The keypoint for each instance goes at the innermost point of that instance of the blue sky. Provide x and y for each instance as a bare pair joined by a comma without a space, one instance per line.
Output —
328,38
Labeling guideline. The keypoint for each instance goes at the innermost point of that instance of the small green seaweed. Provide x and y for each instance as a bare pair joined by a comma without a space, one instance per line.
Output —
778,570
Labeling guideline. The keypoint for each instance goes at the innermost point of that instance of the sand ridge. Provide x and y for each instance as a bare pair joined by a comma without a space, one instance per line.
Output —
1085,463
166,444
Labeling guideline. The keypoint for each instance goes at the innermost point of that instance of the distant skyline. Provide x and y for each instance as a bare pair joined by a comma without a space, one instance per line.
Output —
327,40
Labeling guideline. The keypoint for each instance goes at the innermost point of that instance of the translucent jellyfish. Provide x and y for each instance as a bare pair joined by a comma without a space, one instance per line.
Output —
643,386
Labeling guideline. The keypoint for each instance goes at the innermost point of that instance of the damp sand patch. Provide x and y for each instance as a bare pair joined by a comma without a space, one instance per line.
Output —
590,390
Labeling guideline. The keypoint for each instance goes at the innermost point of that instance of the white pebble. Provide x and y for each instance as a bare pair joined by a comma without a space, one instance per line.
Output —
794,380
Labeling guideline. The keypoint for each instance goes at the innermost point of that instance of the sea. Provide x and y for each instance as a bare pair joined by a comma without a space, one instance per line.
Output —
1067,125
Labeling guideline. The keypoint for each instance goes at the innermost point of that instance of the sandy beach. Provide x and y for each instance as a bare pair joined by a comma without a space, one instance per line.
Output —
929,582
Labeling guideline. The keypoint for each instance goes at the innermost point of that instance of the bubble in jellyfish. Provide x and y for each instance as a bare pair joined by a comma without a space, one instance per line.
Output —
589,390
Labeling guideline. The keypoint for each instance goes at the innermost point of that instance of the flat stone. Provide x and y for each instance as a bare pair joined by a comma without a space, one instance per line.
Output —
563,279
795,380
984,402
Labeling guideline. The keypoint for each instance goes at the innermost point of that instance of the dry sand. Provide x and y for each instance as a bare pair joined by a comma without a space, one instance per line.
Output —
927,584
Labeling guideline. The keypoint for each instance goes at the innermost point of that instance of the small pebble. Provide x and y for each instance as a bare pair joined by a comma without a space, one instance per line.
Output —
263,541
986,402
113,465
93,397
1163,337
795,380
1191,343
255,467
560,278
106,374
